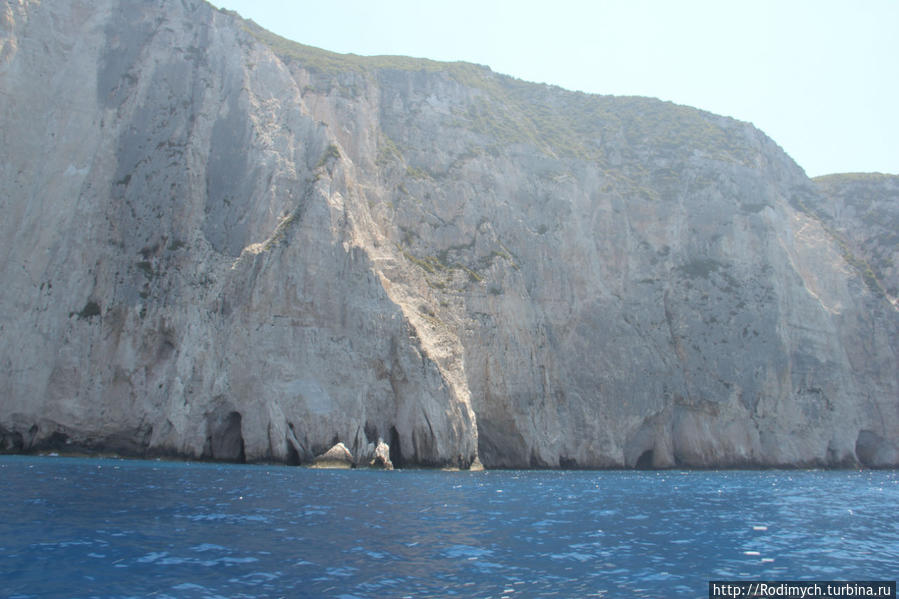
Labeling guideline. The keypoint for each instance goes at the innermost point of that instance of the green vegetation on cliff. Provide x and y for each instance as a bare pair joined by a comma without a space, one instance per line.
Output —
509,111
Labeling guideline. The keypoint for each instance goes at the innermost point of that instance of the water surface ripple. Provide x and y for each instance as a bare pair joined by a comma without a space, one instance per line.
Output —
123,528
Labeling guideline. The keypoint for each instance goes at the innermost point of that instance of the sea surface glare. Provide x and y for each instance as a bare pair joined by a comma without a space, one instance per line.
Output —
125,528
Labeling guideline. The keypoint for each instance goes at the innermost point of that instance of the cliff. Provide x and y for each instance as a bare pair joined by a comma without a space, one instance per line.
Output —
861,211
218,243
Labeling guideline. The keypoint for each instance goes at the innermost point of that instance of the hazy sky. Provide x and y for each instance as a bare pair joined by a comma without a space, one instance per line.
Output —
821,77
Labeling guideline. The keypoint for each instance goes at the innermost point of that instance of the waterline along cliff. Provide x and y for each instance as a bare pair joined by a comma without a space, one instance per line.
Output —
220,244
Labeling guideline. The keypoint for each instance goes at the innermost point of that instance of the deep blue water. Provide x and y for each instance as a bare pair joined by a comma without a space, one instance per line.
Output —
123,528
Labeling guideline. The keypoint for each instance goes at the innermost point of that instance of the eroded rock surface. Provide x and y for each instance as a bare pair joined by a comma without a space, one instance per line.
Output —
336,457
220,244
862,211
381,457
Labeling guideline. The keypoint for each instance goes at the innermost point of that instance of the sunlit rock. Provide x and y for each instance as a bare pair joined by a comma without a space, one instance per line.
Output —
219,244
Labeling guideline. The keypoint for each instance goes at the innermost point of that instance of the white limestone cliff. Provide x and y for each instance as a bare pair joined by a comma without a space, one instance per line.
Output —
220,244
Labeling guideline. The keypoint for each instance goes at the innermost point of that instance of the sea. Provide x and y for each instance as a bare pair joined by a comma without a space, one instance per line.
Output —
85,528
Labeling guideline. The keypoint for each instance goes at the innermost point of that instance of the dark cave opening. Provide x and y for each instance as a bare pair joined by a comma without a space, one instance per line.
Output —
293,456
644,462
396,452
226,441
371,432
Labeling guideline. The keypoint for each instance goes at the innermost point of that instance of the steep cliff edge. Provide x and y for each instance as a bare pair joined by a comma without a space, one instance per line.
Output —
862,211
223,244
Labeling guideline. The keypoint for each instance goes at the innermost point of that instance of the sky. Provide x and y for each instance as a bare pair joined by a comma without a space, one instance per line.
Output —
820,77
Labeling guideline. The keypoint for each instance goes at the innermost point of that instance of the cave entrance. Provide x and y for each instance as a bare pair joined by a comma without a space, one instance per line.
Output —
396,452
293,456
226,441
644,462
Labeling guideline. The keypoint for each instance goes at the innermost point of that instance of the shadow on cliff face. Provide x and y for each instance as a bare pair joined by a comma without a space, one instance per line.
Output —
644,462
12,441
873,451
501,445
225,436
396,452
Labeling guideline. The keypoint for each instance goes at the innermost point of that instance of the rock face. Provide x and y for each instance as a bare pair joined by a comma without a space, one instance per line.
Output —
217,243
336,457
861,210
381,457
